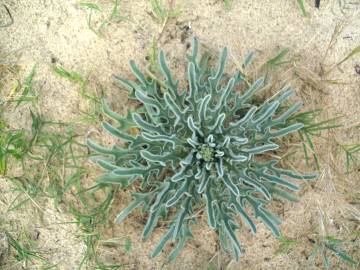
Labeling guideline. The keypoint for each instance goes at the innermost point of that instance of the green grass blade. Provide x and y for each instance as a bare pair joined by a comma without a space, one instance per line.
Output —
302,7
351,54
90,6
27,88
70,75
277,60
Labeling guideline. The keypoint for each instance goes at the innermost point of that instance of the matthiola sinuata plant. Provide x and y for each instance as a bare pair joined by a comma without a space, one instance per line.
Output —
200,149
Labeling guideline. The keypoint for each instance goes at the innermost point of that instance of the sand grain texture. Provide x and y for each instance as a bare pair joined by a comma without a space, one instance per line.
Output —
50,32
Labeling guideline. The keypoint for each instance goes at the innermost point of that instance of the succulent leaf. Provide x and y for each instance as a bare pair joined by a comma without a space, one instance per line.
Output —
201,148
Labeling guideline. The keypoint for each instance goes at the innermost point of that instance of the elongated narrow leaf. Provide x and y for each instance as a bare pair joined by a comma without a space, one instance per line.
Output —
302,7
106,164
163,242
110,178
130,171
268,221
173,106
181,243
145,126
244,215
210,207
293,109
161,138
351,54
235,242
166,71
218,123
196,130
287,130
230,185
268,113
124,213
161,159
253,88
181,216
139,75
224,95
245,119
271,224
124,122
193,89
214,81
257,185
99,148
150,224
166,187
261,149
117,133
282,193
280,181
183,190
148,101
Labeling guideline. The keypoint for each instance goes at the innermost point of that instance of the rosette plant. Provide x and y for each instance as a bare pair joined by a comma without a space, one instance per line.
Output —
200,150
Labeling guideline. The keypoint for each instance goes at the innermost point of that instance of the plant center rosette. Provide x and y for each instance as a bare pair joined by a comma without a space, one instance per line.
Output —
200,152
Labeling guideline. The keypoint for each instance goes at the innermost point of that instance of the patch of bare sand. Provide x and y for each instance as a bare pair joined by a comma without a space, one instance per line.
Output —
48,32
41,224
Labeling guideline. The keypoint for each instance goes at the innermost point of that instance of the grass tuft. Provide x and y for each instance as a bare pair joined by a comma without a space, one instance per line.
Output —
114,16
24,256
161,13
93,99
286,244
51,165
331,245
313,127
352,151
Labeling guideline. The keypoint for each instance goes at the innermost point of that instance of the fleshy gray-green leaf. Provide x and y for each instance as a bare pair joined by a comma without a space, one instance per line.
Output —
202,146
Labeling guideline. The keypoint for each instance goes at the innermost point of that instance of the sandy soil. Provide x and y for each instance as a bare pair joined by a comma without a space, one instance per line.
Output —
50,32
